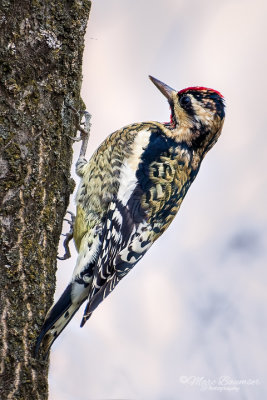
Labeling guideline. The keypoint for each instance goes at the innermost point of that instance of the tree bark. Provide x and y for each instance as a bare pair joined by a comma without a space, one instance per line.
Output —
41,71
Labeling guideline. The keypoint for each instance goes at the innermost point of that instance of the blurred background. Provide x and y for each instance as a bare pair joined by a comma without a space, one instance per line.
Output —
193,311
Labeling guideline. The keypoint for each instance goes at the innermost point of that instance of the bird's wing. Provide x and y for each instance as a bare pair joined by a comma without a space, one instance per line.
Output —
124,242
139,212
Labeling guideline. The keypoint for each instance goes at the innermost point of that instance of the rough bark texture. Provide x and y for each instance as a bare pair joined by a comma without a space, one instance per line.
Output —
40,71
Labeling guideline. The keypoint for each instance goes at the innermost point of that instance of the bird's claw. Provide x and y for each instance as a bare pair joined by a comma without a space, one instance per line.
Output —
68,237
84,130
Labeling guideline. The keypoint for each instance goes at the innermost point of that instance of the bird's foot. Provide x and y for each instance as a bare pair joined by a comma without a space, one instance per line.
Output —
83,127
68,237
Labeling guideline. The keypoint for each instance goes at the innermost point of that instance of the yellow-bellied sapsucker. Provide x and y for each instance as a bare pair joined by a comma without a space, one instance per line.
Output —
130,191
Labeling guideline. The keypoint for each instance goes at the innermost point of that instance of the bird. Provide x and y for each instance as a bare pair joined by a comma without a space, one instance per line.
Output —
129,193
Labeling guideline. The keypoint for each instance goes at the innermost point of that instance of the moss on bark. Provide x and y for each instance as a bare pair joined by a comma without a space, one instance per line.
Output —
40,72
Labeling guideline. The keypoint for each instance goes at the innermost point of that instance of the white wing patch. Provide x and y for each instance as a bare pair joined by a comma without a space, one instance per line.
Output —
130,165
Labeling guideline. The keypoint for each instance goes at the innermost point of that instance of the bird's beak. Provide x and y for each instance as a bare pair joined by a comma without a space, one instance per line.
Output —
165,89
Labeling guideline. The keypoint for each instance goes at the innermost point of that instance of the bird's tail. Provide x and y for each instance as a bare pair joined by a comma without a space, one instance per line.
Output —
59,316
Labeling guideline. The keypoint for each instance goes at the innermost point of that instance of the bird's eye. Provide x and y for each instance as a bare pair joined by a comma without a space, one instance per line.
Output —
185,101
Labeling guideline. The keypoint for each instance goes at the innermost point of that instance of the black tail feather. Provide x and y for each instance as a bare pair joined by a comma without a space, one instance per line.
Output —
54,314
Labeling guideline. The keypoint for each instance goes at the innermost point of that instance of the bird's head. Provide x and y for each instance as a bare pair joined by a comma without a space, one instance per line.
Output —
197,115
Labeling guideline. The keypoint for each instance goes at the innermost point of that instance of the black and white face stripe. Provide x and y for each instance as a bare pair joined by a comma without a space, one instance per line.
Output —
209,99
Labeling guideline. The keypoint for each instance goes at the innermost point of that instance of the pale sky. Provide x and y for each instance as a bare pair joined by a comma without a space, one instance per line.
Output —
193,309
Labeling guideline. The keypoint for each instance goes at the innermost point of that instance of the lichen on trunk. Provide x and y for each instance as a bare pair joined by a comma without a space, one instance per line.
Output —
41,71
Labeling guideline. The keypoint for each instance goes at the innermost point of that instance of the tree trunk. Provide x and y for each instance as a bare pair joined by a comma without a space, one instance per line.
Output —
41,71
